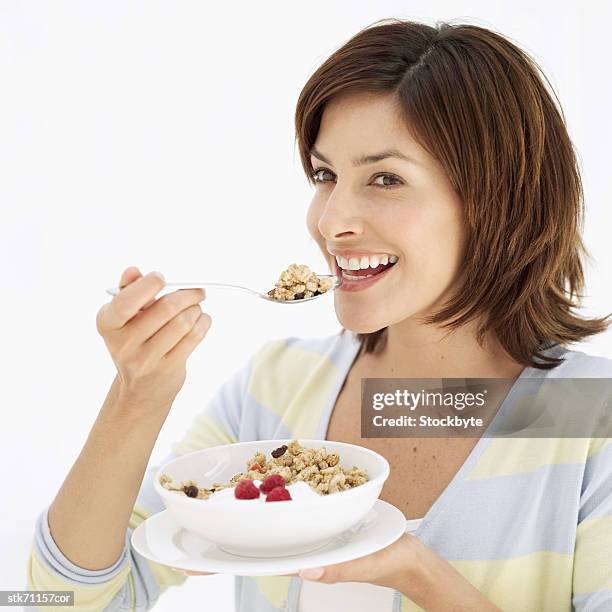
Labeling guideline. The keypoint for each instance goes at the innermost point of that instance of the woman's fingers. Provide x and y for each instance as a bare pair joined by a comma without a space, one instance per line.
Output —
129,276
140,330
187,344
166,309
190,573
130,300
171,333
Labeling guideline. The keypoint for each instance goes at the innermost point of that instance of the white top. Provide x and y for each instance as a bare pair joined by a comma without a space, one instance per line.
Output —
353,596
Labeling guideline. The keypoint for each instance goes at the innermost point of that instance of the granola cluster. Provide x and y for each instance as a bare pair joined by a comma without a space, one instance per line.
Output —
299,282
321,470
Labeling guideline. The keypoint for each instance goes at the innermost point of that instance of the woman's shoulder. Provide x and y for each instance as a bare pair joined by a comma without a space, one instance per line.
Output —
287,369
303,353
579,364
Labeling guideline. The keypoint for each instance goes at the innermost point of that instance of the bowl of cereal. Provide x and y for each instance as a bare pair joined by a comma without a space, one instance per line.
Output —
272,498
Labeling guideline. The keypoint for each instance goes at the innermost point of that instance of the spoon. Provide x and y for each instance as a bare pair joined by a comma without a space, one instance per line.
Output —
335,280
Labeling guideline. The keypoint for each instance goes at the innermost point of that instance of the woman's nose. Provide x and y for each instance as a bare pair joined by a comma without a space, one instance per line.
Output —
340,216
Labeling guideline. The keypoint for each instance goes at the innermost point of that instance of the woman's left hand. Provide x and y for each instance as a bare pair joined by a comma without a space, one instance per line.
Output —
413,569
388,567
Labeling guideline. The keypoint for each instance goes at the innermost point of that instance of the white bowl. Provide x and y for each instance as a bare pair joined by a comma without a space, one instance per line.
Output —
270,529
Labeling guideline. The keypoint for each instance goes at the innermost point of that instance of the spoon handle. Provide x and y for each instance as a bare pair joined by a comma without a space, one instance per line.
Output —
115,290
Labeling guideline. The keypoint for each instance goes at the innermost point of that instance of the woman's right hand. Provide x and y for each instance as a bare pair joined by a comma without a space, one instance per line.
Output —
150,339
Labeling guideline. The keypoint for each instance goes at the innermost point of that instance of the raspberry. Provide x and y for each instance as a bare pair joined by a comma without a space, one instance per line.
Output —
245,489
271,482
278,494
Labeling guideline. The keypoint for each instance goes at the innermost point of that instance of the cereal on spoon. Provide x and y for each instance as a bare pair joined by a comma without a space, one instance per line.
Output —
299,282
319,469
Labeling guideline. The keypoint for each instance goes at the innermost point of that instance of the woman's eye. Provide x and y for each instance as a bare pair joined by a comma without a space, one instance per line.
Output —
318,175
386,180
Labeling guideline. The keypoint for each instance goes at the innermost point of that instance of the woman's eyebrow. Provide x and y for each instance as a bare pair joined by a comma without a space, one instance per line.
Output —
368,159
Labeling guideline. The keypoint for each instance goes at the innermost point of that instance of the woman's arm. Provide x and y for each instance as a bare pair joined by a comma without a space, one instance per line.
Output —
434,584
149,340
592,576
85,528
135,582
413,569
82,540
91,511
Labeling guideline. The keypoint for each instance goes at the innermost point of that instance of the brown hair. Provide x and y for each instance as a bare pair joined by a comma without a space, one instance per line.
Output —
479,104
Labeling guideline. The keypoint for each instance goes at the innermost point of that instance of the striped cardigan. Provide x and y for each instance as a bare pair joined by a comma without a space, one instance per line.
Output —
527,521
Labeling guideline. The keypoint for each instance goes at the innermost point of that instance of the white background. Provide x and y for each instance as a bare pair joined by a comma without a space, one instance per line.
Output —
160,134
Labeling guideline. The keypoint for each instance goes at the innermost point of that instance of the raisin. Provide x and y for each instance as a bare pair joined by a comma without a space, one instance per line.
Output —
280,451
299,296
191,491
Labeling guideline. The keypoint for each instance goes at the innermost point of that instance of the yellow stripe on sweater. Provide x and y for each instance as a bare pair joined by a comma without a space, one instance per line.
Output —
164,575
294,384
513,456
274,589
204,432
529,583
87,598
593,555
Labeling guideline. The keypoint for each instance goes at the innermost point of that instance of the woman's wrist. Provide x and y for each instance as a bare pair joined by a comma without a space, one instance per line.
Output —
435,585
131,408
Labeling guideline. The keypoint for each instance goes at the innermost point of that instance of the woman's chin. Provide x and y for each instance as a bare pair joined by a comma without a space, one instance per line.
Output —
359,324
362,330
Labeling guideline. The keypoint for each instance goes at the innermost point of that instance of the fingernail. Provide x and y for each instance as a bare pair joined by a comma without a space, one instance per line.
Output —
159,274
313,573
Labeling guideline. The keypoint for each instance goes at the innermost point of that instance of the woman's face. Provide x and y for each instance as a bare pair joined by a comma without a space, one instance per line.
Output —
366,210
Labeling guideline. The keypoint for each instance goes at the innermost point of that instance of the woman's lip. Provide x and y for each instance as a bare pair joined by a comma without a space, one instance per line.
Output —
350,285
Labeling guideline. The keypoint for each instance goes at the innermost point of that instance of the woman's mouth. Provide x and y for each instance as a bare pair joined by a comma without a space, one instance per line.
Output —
357,280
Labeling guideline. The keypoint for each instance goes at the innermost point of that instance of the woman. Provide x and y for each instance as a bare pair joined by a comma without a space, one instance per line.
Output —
447,196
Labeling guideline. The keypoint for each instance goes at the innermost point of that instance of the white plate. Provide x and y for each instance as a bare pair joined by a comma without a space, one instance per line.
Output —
160,539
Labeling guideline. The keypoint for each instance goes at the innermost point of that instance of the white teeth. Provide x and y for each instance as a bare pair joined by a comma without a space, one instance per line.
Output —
342,262
364,262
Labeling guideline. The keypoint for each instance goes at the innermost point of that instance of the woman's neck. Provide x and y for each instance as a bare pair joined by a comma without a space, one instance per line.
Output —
415,350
